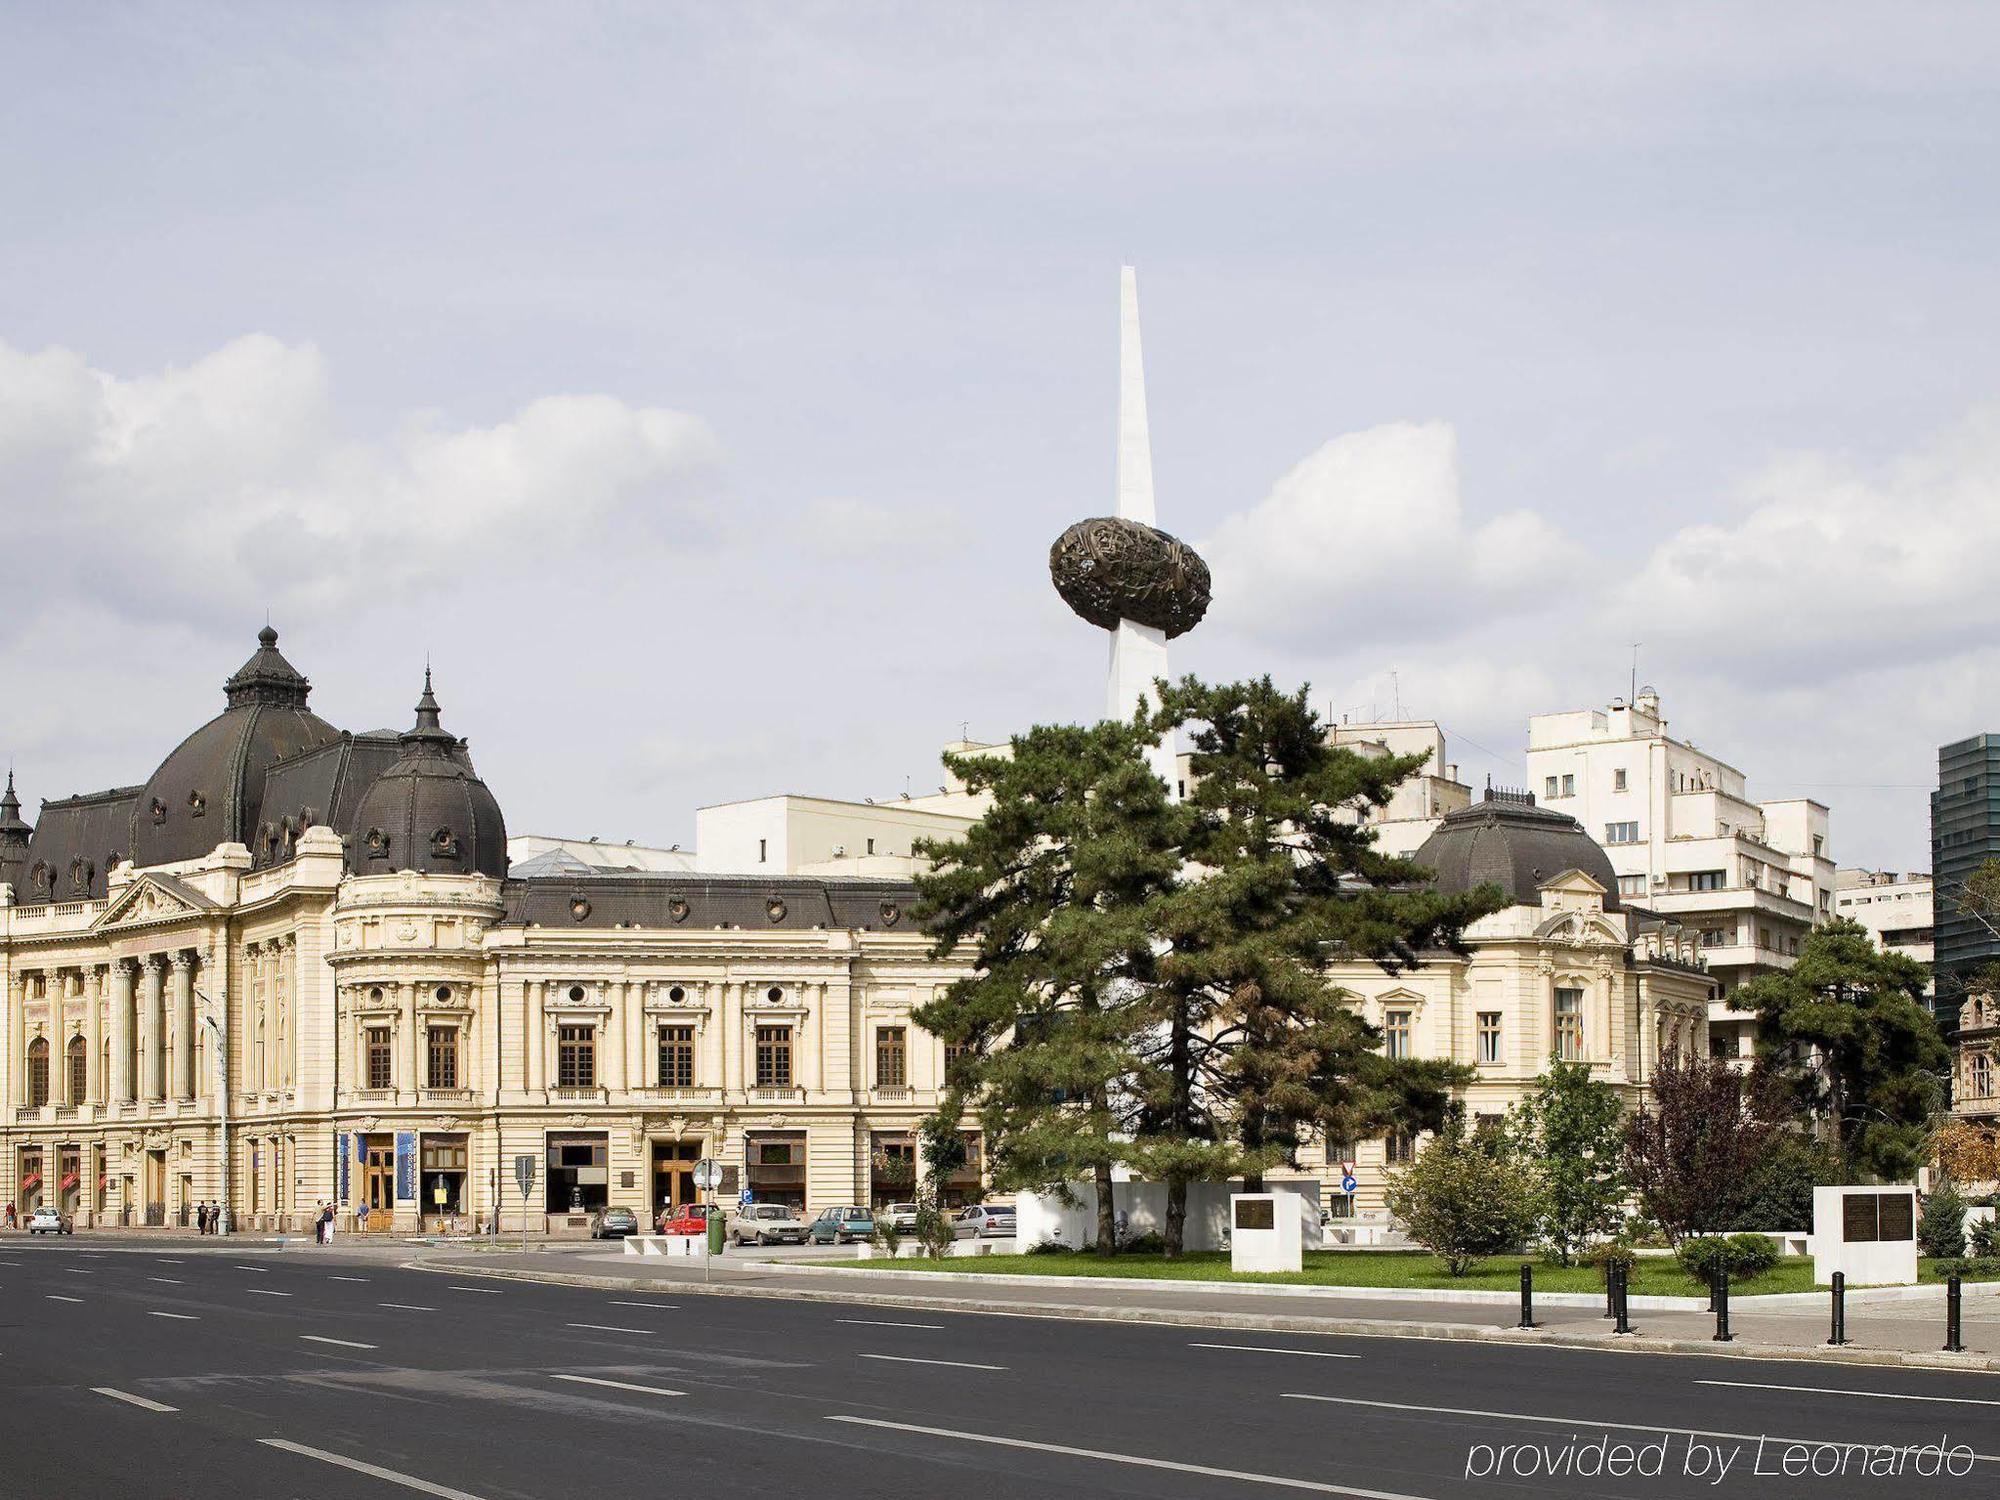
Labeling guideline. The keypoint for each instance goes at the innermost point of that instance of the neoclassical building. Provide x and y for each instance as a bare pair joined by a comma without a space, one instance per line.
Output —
291,968
1567,968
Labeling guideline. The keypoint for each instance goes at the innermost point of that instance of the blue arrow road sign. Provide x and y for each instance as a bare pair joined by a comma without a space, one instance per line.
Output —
1348,1184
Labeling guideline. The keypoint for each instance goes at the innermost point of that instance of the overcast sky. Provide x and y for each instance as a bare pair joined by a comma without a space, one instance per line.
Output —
700,387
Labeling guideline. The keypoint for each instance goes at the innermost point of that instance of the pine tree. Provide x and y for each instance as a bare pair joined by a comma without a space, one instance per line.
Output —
1052,891
1254,1045
1845,1035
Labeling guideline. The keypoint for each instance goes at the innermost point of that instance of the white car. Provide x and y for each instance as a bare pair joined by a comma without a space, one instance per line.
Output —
901,1217
768,1224
984,1221
48,1221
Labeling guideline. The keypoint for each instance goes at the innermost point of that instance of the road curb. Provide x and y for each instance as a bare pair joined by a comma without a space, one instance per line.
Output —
1248,1322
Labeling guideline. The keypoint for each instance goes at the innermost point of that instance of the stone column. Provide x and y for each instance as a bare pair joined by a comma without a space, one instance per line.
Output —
183,1058
414,1042
121,1031
534,1035
620,996
17,1039
155,1026
93,1065
295,1007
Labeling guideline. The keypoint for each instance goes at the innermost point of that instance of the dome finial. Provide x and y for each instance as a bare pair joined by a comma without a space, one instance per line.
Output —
428,726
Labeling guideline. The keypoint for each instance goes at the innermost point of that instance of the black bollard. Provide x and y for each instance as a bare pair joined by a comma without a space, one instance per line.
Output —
1722,1333
1527,1296
1839,1308
1624,1315
1954,1306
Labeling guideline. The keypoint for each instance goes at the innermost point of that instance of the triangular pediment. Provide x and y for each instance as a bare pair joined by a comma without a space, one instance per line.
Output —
151,901
1575,882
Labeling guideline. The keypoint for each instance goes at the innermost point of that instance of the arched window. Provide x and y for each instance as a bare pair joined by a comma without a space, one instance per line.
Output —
79,1068
38,1070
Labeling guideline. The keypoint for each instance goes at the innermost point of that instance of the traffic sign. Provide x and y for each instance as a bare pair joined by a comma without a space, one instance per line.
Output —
524,1172
747,1199
1348,1184
707,1173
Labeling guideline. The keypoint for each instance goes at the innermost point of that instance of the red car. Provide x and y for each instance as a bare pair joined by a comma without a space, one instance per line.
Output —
688,1218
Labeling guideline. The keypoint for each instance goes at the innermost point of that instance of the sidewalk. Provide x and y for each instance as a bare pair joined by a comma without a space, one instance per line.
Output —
1907,1331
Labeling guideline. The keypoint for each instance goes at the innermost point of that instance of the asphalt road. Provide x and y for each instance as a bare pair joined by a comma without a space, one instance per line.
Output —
188,1369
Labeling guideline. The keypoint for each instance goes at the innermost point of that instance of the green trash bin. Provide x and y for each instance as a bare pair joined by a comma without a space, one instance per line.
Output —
715,1222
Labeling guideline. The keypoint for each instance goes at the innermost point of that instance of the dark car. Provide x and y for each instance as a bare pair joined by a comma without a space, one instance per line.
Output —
841,1226
613,1223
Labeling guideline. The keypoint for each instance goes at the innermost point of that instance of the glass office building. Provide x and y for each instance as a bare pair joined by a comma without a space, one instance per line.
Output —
1965,833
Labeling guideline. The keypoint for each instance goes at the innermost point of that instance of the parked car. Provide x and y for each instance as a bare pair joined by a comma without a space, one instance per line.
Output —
987,1221
768,1224
687,1218
901,1217
48,1221
613,1223
841,1226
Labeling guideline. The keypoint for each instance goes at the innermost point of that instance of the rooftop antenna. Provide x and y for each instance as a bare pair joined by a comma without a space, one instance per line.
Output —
965,730
1396,687
1634,699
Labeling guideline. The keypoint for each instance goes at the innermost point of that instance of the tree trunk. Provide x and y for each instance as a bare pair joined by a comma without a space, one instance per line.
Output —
1253,1143
1107,1213
1181,1114
1176,1225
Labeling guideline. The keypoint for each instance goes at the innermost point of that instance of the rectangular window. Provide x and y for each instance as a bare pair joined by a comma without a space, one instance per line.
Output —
1631,885
1399,1148
381,1058
78,1059
1621,833
1396,1033
762,846
1549,788
1569,1024
774,1057
954,1053
1618,780
871,846
441,1058
1979,1079
1706,880
1714,937
576,1057
892,1057
677,1057
1569,786
1489,1036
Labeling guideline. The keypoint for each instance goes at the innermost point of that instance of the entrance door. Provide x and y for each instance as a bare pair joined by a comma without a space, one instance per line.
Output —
673,1173
378,1183
156,1187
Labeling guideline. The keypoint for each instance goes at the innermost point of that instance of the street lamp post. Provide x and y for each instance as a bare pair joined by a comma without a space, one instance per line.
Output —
219,1032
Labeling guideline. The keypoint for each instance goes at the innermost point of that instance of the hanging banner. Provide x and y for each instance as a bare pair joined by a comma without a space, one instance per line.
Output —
340,1155
406,1166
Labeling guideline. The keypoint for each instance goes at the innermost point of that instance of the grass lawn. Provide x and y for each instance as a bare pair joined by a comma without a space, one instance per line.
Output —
1652,1276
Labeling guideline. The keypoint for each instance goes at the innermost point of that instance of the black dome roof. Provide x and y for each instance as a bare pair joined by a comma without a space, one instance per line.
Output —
210,790
1508,841
429,811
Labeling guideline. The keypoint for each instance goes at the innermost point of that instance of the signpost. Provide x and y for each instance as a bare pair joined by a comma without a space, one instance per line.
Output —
707,1178
524,1174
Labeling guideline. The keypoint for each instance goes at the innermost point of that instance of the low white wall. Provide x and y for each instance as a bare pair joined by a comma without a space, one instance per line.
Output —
1044,1216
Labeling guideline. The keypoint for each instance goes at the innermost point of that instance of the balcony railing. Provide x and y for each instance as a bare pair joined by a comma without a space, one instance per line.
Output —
663,1091
445,1096
894,1093
576,1095
776,1096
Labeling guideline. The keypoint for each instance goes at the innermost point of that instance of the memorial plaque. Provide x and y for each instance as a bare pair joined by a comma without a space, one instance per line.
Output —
1898,1219
1256,1213
1859,1219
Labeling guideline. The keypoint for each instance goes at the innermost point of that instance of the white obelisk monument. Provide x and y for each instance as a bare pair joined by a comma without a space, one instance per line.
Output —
1138,652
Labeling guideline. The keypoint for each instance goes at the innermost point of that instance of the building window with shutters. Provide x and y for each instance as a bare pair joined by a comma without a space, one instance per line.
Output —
774,1057
1569,1024
79,1061
441,1058
677,1057
1399,1148
1489,1036
892,1057
38,1071
1396,1033
576,1057
381,1047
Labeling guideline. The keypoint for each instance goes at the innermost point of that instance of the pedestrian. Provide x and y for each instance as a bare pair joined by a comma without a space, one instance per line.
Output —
201,1217
12,1223
326,1224
361,1218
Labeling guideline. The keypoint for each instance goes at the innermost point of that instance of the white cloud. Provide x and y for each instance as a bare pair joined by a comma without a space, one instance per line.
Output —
225,486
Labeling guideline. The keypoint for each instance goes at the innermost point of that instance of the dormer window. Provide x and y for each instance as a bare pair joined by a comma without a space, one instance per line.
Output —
378,844
197,804
159,811
444,844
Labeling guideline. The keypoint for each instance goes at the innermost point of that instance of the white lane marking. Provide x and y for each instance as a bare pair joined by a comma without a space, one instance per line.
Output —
374,1471
260,1270
1829,1390
608,1328
347,1278
130,1399
78,1271
1583,1422
164,1261
880,1323
167,1280
484,1291
663,1306
56,1297
956,1364
1244,1476
1272,1349
407,1306
178,1317
314,1338
258,1291
619,1385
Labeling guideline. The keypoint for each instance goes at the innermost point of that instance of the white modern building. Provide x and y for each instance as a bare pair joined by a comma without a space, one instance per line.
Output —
1421,802
1750,878
1895,908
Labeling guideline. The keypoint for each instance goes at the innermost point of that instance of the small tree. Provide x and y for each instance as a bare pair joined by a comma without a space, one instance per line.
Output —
1941,1226
1570,1133
1779,1194
1692,1148
1464,1199
1966,1152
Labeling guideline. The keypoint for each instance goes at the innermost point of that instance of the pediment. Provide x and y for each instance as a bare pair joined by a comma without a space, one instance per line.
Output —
153,901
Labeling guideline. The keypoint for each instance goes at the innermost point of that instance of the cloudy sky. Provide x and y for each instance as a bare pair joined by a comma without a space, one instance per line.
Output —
700,387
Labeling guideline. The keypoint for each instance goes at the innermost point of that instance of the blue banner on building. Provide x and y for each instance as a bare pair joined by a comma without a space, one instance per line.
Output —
406,1166
340,1155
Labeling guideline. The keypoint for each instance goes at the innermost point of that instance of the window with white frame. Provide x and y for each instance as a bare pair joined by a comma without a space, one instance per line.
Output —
1569,786
1631,885
1621,833
1489,1036
1618,780
1396,1033
1569,1023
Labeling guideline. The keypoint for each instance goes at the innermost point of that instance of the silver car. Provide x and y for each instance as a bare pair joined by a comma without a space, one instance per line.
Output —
984,1221
768,1224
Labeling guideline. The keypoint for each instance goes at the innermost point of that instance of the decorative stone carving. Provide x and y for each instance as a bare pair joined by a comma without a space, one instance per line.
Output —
1109,569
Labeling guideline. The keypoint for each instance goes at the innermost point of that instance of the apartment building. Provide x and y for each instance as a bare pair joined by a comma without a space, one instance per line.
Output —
1686,840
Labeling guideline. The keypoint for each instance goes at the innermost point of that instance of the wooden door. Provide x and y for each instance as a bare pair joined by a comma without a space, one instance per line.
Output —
378,1187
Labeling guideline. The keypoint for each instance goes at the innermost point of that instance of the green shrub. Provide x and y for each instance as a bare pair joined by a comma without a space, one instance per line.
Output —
1941,1226
1463,1201
1744,1256
1148,1243
1979,1268
1984,1240
1047,1247
1609,1254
